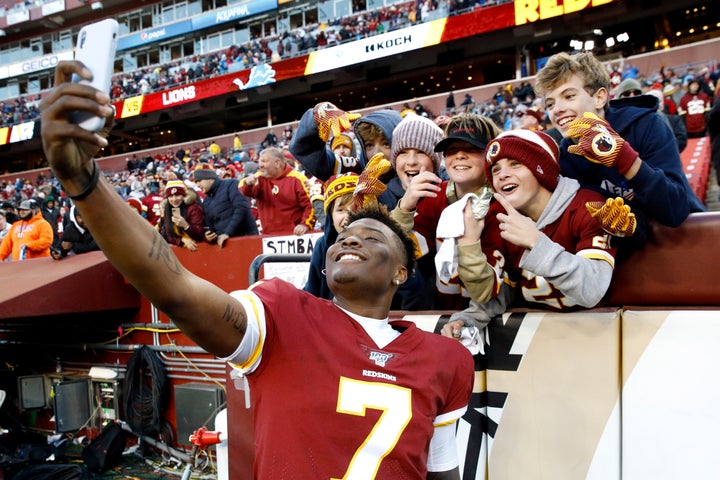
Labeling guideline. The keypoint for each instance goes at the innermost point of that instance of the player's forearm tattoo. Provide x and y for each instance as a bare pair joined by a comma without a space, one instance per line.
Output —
236,318
160,251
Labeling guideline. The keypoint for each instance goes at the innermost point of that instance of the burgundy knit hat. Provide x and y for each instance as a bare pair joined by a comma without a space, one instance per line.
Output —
536,150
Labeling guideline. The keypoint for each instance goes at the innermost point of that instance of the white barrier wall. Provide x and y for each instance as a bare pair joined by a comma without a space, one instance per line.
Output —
597,395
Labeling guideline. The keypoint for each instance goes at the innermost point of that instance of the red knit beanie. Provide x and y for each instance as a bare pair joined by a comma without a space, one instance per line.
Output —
534,149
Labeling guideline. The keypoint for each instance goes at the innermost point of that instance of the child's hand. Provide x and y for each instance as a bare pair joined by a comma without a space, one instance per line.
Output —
599,143
473,227
614,216
331,120
515,227
424,184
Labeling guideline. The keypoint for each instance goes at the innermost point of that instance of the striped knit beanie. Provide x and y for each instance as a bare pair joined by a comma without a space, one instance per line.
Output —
337,186
420,133
174,187
534,149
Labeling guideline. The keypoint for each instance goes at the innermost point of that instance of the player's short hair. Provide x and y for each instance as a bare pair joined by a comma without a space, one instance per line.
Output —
379,212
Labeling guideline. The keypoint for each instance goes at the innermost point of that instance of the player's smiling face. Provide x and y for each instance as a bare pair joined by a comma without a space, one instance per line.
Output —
367,253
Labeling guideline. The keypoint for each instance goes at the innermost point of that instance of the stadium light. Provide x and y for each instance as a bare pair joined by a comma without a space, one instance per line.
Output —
609,42
96,5
589,45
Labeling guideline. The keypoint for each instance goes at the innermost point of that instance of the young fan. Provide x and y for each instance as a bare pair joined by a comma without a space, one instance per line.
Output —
544,247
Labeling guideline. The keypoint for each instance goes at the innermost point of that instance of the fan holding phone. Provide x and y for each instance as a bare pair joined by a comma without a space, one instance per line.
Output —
182,217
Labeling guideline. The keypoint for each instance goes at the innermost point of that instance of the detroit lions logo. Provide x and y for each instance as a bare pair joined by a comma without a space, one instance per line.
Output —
259,75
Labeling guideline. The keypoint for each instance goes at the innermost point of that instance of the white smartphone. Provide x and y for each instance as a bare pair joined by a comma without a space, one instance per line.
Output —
96,47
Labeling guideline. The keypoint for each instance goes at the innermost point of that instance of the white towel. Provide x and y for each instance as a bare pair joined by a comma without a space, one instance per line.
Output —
450,226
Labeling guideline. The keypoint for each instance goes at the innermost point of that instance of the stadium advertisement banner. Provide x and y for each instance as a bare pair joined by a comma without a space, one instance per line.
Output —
51,8
22,132
15,17
233,13
257,76
528,11
34,65
378,46
154,35
416,37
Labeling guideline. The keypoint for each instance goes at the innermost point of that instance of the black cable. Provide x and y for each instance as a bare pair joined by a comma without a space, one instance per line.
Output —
146,393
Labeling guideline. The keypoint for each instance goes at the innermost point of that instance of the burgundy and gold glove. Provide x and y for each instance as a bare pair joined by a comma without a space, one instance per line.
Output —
614,216
369,185
599,143
332,120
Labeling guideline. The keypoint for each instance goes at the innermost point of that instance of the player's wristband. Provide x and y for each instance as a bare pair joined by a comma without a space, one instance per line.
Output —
94,178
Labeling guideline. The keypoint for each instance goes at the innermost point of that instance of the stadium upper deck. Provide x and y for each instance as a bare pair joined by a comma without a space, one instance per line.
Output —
489,44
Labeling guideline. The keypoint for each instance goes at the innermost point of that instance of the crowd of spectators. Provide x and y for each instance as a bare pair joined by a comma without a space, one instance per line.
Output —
259,50
146,175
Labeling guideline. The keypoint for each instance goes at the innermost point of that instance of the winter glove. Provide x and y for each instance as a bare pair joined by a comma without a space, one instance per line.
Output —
614,216
332,120
599,143
369,185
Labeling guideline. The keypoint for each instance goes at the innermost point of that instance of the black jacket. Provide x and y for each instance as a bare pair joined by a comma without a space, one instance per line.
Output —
227,211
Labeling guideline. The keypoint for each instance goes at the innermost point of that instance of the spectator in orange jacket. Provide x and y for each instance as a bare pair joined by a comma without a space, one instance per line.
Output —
30,236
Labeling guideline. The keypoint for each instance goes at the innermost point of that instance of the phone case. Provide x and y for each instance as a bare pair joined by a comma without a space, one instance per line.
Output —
96,47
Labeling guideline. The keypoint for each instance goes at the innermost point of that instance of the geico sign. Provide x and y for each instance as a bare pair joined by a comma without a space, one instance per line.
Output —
40,63
178,95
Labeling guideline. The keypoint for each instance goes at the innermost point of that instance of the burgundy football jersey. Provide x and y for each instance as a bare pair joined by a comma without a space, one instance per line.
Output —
330,404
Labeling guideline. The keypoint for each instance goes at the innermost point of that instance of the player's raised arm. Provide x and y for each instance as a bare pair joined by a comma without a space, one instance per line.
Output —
204,312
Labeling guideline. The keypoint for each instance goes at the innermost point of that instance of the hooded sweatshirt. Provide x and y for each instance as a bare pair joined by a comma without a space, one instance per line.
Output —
569,267
80,237
320,161
35,234
660,189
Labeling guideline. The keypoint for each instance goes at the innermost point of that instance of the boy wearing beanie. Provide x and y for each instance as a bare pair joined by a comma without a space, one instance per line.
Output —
342,145
338,201
542,244
427,195
343,195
